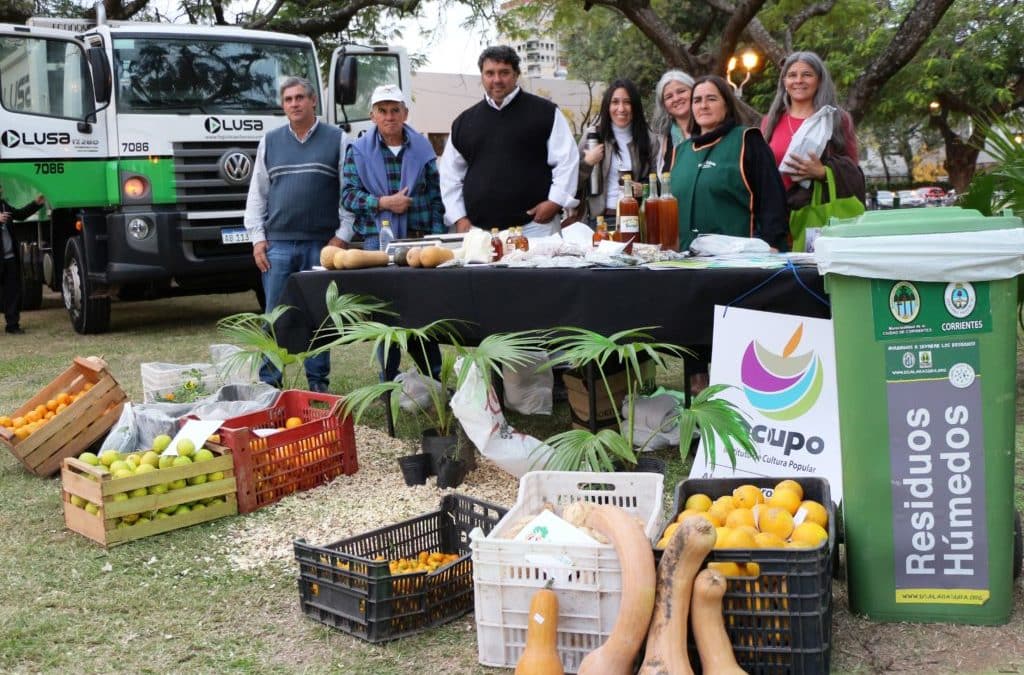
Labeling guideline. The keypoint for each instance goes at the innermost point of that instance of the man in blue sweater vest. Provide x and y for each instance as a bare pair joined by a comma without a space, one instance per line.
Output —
511,158
293,209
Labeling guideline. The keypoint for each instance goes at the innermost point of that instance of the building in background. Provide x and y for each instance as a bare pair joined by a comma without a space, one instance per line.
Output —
539,51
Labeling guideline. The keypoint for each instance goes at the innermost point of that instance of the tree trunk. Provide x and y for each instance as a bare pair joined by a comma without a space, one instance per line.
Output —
960,164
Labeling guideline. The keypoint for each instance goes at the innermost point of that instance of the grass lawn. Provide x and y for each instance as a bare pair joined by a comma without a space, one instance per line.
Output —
181,602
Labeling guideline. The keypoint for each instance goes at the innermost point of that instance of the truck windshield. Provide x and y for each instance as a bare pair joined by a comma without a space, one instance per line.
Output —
162,74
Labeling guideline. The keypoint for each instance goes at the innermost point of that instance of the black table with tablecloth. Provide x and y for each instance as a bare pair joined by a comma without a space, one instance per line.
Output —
680,302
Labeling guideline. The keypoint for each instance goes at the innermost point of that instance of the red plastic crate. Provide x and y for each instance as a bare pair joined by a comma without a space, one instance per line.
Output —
268,468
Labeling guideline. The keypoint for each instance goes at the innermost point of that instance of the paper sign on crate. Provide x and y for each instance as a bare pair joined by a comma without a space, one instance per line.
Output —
782,373
197,431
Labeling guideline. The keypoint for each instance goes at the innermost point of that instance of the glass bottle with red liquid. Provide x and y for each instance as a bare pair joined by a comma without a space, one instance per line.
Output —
627,215
497,250
668,216
522,243
651,205
601,233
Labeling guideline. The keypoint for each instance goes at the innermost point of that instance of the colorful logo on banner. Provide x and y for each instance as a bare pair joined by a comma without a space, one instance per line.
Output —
781,386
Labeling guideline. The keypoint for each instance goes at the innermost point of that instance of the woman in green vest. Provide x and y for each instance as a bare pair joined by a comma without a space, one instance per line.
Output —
725,176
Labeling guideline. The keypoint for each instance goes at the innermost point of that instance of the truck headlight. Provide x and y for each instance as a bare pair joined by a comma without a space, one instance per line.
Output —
139,228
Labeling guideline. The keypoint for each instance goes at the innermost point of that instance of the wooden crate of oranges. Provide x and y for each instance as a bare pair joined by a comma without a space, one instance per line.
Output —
111,504
67,416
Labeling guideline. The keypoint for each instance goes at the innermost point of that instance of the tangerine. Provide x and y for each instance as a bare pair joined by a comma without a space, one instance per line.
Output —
52,404
790,484
811,534
740,517
698,502
777,521
5,421
64,398
813,512
33,416
292,422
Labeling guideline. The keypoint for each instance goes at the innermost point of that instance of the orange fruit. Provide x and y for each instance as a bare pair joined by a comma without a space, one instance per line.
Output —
87,386
698,502
22,433
33,416
41,409
718,513
785,499
64,398
721,534
777,521
61,407
768,540
292,422
790,484
727,569
18,422
813,513
739,537
746,496
5,421
52,404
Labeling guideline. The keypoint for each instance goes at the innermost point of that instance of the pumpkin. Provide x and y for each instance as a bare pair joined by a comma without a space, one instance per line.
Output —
327,256
666,639
432,256
713,645
540,657
618,653
357,259
413,256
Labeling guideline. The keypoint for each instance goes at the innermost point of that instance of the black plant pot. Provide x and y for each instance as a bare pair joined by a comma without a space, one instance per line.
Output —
646,465
451,472
438,447
415,468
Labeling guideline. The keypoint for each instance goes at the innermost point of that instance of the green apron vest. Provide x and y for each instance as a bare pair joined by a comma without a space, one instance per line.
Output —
712,191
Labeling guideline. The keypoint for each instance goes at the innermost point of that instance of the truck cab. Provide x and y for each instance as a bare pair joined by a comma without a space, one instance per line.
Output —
142,138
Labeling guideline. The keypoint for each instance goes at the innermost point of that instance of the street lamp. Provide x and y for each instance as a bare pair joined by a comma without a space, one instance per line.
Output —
749,59
934,107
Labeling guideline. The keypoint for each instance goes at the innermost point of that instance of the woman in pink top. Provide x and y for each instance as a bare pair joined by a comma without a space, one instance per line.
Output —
804,87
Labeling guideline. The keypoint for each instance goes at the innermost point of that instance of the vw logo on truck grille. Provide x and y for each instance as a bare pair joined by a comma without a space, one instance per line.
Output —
236,167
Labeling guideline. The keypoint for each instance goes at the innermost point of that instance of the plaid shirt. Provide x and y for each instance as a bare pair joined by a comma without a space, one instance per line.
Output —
426,212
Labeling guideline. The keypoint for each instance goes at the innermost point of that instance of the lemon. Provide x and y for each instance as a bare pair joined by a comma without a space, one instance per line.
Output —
768,540
811,534
813,512
792,485
739,537
777,521
785,499
746,496
739,517
698,502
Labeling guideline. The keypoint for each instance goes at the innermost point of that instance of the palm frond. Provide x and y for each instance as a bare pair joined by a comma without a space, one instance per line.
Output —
254,334
581,450
515,350
357,401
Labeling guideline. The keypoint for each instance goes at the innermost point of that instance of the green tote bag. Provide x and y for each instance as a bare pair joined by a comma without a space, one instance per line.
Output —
814,216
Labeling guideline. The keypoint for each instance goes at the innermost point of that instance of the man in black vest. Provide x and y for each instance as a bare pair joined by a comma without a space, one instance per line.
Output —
511,158
10,261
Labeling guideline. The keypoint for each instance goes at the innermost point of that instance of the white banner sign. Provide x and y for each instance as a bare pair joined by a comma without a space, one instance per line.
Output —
783,375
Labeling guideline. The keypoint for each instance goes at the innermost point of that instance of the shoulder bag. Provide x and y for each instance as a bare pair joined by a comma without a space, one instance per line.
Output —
805,223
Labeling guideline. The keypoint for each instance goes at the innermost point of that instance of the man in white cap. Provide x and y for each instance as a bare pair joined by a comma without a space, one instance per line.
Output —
391,174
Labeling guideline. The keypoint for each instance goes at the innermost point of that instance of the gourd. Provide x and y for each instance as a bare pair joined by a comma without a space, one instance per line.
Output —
339,258
683,556
327,256
713,644
540,657
432,256
413,256
617,654
357,259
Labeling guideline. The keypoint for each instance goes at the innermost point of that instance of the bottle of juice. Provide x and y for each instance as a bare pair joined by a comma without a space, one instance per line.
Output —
668,216
522,243
497,250
627,224
510,239
651,206
602,232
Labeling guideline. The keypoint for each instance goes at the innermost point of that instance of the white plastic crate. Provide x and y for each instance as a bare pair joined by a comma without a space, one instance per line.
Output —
177,383
587,578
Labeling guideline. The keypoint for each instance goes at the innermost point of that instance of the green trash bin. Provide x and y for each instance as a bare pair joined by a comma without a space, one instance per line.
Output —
924,315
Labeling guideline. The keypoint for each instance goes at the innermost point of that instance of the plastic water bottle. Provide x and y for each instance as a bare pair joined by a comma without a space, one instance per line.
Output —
593,140
386,235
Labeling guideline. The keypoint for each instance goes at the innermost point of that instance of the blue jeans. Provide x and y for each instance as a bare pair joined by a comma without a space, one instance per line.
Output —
287,257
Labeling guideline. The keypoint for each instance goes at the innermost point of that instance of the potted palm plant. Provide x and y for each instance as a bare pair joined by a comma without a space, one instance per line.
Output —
438,424
717,420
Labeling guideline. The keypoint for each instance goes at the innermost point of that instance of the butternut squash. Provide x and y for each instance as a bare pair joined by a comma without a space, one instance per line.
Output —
327,256
357,259
618,653
540,657
666,638
339,258
432,256
413,256
713,644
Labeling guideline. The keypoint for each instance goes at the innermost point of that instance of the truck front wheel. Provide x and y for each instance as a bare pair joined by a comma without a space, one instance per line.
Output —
88,314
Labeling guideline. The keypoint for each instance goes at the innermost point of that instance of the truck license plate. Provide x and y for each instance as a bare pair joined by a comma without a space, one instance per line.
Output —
234,235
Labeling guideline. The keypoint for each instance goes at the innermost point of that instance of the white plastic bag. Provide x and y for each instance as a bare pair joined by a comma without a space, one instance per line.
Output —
724,244
416,390
229,373
812,136
477,410
655,421
528,390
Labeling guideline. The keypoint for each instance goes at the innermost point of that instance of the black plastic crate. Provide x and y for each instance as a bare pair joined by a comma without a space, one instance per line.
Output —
781,620
348,585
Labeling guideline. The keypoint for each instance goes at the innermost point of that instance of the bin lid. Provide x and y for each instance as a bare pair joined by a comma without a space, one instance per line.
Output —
933,244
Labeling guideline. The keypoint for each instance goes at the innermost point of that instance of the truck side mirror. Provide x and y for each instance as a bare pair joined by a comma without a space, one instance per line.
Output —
102,78
346,81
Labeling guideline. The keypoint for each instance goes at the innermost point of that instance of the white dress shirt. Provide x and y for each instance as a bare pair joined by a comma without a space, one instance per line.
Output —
563,158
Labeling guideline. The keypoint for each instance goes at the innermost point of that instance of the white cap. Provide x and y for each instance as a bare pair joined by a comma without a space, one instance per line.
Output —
387,92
